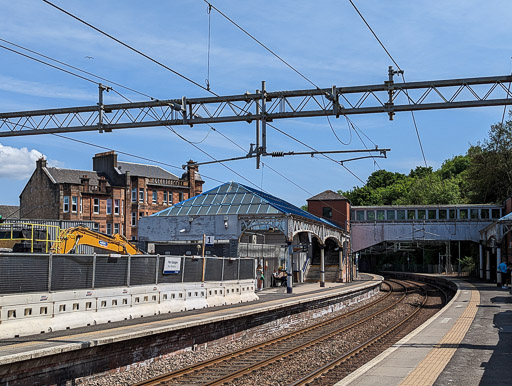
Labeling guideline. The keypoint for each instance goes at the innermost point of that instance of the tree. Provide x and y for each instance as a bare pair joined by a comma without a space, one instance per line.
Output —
489,174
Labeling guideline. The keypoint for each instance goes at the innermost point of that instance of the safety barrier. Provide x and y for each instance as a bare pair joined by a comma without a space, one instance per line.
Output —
26,314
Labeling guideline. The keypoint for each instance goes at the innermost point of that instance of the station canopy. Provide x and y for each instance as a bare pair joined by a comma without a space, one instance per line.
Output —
234,198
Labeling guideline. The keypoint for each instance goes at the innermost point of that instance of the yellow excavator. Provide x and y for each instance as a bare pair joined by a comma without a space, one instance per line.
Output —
70,238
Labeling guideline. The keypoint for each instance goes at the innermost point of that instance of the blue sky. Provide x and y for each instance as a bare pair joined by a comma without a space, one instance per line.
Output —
325,40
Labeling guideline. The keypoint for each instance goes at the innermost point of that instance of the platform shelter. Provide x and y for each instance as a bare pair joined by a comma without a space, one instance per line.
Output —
237,220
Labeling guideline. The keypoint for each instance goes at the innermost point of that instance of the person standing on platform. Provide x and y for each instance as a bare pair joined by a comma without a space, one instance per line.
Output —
503,269
259,277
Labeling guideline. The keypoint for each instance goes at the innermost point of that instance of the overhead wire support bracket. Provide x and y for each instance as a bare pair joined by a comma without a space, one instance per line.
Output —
253,153
390,83
101,107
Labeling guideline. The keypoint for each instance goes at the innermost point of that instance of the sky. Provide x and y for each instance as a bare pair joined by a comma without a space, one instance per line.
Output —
326,41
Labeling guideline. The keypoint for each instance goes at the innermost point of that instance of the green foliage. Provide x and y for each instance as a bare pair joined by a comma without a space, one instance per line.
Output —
467,264
422,186
490,169
483,175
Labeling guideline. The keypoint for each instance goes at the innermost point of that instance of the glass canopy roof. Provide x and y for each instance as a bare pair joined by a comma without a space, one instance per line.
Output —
235,198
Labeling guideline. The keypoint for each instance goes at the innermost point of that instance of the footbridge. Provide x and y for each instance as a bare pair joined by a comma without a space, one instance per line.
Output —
373,225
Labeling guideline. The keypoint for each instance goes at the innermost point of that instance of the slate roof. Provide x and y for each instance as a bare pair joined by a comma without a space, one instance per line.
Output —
10,211
327,195
142,170
73,176
234,198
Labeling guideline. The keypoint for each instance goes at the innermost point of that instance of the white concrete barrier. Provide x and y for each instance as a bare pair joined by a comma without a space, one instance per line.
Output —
35,313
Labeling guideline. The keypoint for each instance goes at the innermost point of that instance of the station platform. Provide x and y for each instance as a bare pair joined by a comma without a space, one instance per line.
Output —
70,352
468,343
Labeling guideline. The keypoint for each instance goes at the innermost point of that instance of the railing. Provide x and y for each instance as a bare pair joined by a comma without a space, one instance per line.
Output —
39,233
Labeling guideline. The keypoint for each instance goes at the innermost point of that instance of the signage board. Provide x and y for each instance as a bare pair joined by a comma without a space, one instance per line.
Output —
208,240
172,264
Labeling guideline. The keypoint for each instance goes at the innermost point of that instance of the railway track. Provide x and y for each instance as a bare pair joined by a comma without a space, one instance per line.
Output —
240,366
335,369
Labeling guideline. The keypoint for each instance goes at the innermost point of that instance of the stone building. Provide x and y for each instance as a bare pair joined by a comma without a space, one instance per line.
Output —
332,207
115,195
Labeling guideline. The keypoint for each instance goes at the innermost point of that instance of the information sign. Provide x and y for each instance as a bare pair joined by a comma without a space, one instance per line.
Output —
172,264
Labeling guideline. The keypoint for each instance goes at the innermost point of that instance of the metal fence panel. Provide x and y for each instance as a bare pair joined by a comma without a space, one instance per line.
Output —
231,269
213,270
247,269
28,274
74,272
169,277
111,271
193,270
143,270
21,273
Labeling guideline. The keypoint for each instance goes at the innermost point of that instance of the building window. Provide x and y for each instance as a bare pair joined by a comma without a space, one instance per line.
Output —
116,207
65,205
171,199
122,229
109,228
96,207
400,214
326,212
165,198
122,207
181,196
96,227
134,195
74,204
141,195
109,206
155,194
81,205
116,228
134,219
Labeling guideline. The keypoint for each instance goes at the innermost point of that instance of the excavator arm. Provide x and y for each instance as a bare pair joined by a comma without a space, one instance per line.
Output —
70,238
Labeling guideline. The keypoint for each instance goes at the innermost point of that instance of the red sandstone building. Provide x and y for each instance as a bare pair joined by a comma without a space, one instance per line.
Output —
115,195
331,206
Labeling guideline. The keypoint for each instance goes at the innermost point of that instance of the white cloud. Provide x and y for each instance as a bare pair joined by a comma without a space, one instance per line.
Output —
17,163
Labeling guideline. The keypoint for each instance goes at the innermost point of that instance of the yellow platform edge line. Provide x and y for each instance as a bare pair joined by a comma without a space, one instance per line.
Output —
429,369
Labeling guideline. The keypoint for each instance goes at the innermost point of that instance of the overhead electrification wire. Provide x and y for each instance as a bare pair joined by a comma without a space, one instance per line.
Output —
364,144
402,74
74,68
261,44
48,64
170,69
279,58
312,148
118,93
184,77
127,45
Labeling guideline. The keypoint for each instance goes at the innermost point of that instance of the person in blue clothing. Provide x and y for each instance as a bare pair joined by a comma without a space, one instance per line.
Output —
503,269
